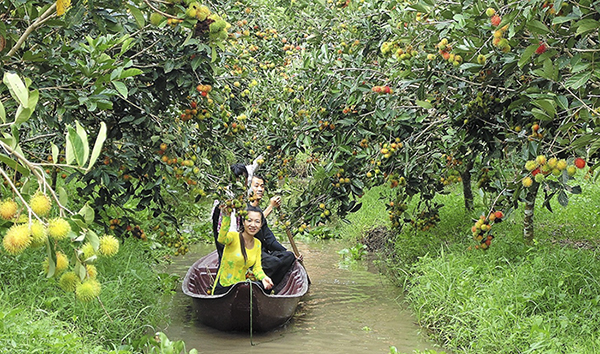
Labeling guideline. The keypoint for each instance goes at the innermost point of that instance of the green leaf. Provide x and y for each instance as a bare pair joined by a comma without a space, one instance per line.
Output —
54,152
563,199
63,196
130,72
586,25
121,88
17,88
547,105
2,113
527,53
14,165
424,104
74,149
88,214
138,15
80,270
97,145
51,258
93,239
578,80
538,27
22,114
86,146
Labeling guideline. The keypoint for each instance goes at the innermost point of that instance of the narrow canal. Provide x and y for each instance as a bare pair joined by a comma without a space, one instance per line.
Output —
347,310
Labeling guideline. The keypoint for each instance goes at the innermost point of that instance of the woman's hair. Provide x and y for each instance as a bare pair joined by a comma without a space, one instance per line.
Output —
249,208
239,169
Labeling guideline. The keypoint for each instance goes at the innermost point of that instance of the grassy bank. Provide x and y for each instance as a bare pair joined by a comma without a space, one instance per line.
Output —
512,298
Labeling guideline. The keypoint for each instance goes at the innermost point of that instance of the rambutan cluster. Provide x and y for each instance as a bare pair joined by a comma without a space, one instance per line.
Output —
482,229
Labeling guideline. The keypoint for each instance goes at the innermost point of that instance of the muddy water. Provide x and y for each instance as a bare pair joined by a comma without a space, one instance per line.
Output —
347,310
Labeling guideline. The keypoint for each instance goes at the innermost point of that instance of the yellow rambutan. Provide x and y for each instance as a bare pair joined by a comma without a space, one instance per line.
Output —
40,203
69,282
17,239
92,271
88,290
88,250
58,228
62,263
39,234
109,245
8,209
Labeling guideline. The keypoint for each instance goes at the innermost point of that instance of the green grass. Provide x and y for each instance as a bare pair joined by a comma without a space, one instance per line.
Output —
129,297
372,213
28,331
512,298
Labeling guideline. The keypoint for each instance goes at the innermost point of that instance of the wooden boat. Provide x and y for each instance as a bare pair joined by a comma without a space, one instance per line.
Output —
231,311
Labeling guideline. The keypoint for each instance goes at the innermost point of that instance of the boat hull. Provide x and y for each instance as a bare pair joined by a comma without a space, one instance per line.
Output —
245,306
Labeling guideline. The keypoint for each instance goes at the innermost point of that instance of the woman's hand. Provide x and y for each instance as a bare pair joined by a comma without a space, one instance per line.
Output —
300,257
267,283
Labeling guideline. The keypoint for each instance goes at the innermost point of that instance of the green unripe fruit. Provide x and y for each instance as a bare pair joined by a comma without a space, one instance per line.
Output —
571,170
156,18
481,59
490,12
539,178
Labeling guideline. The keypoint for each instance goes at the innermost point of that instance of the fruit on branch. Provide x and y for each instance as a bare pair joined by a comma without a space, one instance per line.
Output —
69,282
495,20
58,228
579,162
88,290
39,234
109,245
156,18
527,182
490,12
8,209
541,49
17,239
40,203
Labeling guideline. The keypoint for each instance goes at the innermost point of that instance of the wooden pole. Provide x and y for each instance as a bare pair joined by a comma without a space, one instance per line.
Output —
295,248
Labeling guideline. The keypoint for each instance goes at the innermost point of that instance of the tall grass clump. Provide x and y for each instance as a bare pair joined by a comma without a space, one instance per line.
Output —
128,304
511,299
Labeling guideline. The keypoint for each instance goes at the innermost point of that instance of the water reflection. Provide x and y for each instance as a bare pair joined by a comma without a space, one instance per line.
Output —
346,311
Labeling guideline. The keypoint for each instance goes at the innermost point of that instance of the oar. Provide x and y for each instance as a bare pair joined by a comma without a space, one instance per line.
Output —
295,248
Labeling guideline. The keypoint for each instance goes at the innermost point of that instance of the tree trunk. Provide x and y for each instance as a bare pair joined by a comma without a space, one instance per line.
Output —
529,212
466,182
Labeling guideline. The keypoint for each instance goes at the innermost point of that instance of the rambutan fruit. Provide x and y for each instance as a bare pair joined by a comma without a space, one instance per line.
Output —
39,234
495,20
109,245
69,282
571,170
552,162
8,209
17,239
541,160
88,250
62,263
579,162
530,165
527,182
58,228
40,203
539,178
561,164
92,271
88,290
